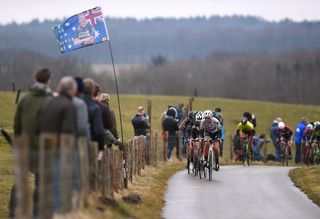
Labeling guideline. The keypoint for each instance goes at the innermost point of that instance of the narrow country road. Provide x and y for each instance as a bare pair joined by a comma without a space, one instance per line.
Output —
238,192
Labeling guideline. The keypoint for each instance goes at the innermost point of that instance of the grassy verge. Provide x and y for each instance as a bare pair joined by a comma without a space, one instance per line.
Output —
308,180
151,186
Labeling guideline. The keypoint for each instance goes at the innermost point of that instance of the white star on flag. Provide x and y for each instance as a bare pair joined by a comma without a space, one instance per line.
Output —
96,34
67,24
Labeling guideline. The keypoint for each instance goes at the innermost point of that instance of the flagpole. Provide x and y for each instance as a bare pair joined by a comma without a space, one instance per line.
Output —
117,89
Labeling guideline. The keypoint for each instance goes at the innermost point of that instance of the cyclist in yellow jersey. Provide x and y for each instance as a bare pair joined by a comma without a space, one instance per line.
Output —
246,130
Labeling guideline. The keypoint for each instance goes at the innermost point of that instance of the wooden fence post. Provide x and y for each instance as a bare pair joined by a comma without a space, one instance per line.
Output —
103,174
48,146
165,137
84,166
67,143
148,149
21,167
265,150
149,111
231,149
131,160
93,150
111,170
155,149
191,99
179,142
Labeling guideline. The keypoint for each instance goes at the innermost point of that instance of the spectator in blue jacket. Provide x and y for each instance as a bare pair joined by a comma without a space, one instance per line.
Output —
301,127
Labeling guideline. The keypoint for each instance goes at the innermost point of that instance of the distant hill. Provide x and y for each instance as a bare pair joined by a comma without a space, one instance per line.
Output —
135,41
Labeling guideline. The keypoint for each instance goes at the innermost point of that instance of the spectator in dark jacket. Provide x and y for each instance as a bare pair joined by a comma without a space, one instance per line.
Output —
112,137
273,136
94,113
105,110
25,122
140,123
59,117
170,125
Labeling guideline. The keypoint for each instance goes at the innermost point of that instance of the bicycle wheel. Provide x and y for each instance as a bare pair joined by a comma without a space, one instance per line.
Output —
287,156
245,156
188,164
195,163
210,165
200,169
204,170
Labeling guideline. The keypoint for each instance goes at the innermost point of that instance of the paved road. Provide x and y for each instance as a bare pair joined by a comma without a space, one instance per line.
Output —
238,192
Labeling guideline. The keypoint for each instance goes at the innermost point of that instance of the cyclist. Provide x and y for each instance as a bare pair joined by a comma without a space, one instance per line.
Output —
246,130
306,139
195,133
211,130
284,132
316,131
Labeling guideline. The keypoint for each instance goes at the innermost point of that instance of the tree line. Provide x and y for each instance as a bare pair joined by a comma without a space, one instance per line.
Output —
291,77
135,41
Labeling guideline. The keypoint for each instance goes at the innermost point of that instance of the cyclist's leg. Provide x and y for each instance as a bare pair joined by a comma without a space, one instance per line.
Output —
206,147
190,149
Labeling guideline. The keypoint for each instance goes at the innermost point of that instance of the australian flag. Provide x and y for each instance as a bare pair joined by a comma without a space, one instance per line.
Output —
81,30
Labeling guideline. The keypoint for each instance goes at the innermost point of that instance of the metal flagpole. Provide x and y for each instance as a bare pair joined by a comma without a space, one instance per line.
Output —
117,89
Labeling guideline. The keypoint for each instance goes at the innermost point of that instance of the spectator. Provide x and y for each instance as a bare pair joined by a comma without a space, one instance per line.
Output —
258,142
106,114
59,117
140,123
170,125
301,127
273,136
83,130
180,113
25,122
105,99
251,117
112,133
218,115
94,113
83,127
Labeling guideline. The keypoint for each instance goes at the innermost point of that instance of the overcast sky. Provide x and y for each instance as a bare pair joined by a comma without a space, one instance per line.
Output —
26,10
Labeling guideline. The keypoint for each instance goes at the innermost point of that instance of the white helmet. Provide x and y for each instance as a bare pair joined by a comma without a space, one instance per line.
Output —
309,126
316,123
281,125
207,114
199,116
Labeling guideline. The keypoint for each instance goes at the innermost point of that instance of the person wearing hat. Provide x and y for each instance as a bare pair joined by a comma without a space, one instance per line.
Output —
105,99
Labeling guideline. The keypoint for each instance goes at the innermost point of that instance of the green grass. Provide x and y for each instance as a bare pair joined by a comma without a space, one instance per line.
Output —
265,112
308,180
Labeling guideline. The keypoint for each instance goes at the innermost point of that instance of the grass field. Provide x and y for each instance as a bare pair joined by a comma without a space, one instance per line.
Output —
308,180
232,110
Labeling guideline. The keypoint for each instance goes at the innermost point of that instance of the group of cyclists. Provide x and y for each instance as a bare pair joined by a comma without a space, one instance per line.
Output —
203,132
203,138
311,143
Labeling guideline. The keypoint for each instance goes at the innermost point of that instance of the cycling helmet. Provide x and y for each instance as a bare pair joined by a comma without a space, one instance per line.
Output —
316,123
199,116
244,120
281,125
172,112
207,114
309,126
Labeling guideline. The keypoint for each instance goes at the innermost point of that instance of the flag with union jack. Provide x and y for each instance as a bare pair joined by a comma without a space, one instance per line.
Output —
84,29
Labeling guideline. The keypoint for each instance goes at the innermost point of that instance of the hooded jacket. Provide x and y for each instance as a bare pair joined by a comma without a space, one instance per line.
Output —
26,117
